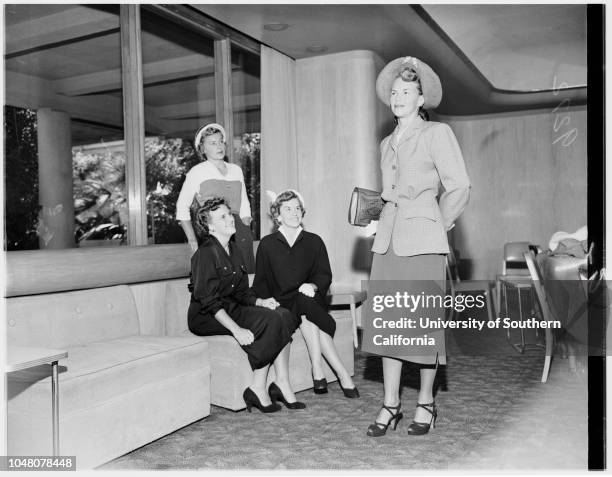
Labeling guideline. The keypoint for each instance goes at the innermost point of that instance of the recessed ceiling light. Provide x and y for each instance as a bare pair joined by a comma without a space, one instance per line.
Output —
316,49
275,26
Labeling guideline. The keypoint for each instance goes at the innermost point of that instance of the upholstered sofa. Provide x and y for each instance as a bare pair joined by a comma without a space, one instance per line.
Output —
118,389
230,372
134,372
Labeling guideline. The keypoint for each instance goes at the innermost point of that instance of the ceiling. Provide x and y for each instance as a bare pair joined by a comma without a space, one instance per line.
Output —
68,57
490,58
519,47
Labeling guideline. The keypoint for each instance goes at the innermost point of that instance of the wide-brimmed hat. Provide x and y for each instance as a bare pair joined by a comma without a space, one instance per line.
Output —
430,83
203,129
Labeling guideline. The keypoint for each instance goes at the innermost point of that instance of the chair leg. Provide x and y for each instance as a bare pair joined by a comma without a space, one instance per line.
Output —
498,296
489,305
521,319
354,318
548,357
532,311
505,305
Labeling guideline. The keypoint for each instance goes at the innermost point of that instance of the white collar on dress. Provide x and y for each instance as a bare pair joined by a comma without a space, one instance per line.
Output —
283,230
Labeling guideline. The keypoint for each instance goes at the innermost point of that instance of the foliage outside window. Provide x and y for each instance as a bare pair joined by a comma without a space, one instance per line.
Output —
20,179
179,94
248,155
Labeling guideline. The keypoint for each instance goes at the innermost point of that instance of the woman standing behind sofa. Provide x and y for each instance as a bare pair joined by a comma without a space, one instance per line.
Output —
292,266
222,304
411,240
214,177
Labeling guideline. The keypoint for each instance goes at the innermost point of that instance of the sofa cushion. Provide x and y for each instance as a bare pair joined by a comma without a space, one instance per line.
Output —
115,396
61,320
230,372
229,367
100,371
177,304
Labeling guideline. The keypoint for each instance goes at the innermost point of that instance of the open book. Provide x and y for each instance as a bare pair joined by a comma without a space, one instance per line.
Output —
365,206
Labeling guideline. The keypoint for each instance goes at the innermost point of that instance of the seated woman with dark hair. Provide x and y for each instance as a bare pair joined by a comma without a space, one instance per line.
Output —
223,304
292,266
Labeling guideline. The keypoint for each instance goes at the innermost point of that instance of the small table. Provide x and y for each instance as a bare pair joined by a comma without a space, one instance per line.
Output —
23,357
341,296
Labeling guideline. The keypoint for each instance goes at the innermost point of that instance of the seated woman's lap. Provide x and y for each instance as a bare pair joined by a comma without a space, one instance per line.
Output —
280,322
272,330
315,313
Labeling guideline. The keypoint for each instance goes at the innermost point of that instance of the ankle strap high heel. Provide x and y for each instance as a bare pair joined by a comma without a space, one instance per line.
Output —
420,428
379,429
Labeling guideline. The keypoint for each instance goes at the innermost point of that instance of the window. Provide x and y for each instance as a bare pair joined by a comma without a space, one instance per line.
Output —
179,97
246,103
63,118
65,152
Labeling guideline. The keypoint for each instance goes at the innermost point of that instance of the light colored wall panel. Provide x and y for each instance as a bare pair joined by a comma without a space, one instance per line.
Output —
526,184
33,271
340,123
278,166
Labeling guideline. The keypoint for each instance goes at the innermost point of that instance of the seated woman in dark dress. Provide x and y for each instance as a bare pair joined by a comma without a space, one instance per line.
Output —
292,266
223,304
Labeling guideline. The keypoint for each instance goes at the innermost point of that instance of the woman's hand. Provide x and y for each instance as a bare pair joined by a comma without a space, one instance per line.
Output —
246,221
371,228
243,336
270,303
308,289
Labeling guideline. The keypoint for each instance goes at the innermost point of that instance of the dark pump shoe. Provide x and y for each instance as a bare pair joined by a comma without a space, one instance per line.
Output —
277,395
251,400
349,393
421,428
320,386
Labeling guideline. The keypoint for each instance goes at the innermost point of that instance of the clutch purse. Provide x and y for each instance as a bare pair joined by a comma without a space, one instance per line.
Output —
365,206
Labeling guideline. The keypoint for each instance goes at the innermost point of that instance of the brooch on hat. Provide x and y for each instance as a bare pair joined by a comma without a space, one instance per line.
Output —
413,61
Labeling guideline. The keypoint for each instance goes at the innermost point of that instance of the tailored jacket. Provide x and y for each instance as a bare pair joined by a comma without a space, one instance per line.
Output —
412,219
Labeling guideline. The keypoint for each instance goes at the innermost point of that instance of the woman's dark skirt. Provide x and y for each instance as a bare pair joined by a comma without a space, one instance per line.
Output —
272,330
315,310
389,266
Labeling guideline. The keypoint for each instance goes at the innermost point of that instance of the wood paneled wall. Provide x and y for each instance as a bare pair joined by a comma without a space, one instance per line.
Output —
529,180
278,166
33,271
339,126
528,169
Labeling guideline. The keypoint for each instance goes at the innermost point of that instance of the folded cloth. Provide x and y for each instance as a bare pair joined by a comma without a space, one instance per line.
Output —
580,235
571,247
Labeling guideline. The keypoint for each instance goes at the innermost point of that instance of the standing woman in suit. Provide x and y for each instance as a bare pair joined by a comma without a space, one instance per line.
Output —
411,240
215,177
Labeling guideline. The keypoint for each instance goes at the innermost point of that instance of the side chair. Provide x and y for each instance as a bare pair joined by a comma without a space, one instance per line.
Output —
515,276
458,286
547,314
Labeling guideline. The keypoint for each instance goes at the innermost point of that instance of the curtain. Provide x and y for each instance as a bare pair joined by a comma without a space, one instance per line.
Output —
278,166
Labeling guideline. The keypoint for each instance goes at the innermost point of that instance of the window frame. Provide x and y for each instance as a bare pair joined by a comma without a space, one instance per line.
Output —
133,86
